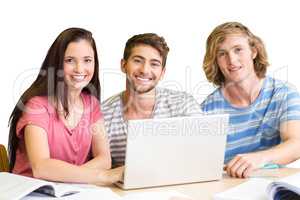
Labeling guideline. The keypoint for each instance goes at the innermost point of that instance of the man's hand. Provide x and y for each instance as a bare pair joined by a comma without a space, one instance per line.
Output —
242,165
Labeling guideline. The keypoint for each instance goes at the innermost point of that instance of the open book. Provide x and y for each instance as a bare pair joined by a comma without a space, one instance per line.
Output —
92,194
14,186
287,188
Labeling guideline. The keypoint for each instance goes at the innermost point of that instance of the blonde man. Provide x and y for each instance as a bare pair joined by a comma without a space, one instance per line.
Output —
264,112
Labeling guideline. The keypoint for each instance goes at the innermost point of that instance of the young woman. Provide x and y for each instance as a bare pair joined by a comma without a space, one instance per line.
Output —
56,128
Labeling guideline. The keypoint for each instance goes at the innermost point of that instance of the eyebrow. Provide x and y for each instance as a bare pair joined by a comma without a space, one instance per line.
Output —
141,57
137,56
155,60
83,57
235,46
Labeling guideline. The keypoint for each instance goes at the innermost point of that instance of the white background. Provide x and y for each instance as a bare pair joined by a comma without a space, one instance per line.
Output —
28,28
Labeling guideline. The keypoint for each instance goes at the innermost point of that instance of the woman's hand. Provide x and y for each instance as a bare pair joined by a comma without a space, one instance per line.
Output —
108,177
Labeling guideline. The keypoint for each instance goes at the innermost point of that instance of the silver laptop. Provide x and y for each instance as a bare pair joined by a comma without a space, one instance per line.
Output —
174,151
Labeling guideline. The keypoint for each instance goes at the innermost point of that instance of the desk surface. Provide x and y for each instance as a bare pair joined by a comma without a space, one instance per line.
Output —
205,190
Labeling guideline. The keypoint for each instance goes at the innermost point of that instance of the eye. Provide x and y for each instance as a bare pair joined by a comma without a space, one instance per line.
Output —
238,49
88,60
69,60
136,60
155,64
221,54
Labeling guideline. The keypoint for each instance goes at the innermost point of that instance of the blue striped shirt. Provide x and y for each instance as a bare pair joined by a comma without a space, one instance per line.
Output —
256,127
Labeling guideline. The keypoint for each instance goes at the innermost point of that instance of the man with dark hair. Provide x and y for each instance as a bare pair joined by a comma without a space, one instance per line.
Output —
143,63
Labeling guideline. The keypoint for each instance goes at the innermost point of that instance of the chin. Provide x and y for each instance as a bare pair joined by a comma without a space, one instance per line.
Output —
78,87
142,90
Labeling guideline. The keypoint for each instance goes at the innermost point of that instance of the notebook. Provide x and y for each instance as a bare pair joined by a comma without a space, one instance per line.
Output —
174,150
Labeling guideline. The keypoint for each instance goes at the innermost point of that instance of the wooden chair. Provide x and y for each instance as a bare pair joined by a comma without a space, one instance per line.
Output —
4,165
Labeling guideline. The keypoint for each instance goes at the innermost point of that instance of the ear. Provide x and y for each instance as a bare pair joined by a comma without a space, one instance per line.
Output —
123,68
162,73
254,53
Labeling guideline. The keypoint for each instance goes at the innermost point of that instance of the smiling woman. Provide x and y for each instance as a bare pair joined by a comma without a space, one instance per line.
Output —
56,129
78,65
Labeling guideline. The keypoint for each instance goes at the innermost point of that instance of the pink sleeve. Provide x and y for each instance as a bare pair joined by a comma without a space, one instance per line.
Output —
35,113
96,113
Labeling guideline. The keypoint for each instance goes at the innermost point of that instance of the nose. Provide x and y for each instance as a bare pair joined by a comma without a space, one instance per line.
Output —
79,67
232,58
145,68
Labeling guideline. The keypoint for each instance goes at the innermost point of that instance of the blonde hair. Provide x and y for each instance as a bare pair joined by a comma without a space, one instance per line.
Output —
217,36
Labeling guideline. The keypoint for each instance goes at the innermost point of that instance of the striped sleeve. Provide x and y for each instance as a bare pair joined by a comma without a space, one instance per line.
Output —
290,104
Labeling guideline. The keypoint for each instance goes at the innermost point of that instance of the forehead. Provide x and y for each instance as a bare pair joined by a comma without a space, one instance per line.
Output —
80,47
145,51
233,40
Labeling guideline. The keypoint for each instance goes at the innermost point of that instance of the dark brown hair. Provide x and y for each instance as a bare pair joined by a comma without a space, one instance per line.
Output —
50,82
151,39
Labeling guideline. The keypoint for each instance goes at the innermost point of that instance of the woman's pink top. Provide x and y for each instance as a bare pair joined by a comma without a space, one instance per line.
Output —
69,145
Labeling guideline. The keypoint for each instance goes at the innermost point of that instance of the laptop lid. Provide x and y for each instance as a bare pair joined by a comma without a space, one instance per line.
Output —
174,150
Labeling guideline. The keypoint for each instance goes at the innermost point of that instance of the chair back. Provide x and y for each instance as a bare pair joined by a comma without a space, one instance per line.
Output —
4,165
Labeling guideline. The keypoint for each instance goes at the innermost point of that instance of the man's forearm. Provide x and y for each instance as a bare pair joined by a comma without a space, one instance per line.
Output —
284,153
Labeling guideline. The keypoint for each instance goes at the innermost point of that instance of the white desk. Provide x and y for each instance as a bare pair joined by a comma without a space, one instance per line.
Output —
205,190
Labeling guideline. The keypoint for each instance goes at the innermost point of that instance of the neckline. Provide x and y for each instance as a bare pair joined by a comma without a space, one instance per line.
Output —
71,130
252,104
122,105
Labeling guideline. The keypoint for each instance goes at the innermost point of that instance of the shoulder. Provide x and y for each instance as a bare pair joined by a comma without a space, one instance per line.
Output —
110,104
283,97
173,95
176,103
42,100
40,103
213,97
90,100
272,83
38,111
280,89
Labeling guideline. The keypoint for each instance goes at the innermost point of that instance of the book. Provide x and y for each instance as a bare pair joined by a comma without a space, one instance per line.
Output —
287,188
88,192
15,187
92,194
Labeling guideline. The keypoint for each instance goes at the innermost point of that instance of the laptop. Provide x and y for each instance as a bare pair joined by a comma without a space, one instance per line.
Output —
177,150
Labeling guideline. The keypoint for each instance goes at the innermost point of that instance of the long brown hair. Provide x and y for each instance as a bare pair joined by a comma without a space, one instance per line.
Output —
50,82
